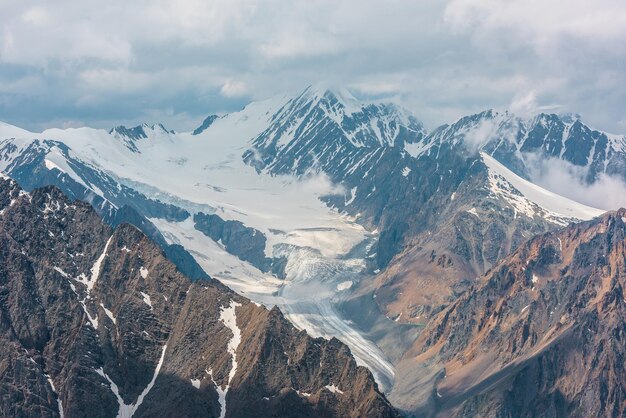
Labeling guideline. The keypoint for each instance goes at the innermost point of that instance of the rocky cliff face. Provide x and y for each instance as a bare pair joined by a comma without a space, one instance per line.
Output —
541,335
96,322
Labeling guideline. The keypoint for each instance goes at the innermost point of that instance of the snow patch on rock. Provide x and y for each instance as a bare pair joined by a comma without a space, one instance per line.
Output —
221,394
61,272
334,389
54,389
344,285
229,318
109,313
143,271
146,299
128,410
89,283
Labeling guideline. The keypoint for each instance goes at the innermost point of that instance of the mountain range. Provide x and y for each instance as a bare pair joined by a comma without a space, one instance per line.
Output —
361,225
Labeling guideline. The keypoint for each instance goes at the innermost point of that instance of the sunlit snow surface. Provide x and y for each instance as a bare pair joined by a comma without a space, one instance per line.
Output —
529,199
206,173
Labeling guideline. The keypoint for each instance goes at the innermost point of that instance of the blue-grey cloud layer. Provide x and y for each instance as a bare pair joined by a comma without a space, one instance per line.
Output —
100,63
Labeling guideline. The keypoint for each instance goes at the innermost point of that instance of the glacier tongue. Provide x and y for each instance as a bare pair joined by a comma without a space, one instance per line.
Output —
307,294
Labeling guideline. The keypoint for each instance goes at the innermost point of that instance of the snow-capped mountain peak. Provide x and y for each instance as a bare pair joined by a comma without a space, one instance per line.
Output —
512,139
131,137
570,117
339,98
137,132
322,124
531,200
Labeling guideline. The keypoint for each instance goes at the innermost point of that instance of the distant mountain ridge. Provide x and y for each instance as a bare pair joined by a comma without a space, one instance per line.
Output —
395,176
509,139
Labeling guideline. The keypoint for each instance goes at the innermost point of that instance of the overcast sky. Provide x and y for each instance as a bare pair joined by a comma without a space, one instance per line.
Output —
100,63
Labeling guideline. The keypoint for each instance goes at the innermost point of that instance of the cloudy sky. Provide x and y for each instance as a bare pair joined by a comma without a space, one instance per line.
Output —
77,62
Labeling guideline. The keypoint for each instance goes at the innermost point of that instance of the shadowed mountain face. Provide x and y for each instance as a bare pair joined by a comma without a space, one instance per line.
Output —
446,217
96,322
541,335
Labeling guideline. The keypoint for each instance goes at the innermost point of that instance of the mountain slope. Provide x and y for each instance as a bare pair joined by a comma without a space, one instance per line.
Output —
522,195
97,322
36,163
541,334
452,217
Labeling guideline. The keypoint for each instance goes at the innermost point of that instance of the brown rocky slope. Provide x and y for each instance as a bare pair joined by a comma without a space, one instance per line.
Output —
97,322
543,334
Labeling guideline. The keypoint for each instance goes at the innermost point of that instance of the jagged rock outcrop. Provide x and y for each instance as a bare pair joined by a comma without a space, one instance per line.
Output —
206,123
97,322
541,335
320,129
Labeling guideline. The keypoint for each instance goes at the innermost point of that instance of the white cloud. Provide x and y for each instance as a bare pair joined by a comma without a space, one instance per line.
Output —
524,105
566,179
124,81
486,130
232,88
544,24
476,137
36,16
8,42
319,184
442,58
378,87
